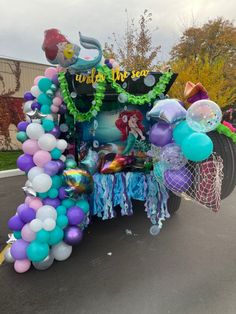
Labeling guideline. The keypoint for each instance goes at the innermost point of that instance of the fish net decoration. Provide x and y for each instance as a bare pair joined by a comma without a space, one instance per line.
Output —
202,182
206,182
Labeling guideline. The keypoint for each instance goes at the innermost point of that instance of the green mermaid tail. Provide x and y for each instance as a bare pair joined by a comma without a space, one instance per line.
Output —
129,144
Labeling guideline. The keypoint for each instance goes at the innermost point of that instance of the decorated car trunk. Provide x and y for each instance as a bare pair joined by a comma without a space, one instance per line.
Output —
96,137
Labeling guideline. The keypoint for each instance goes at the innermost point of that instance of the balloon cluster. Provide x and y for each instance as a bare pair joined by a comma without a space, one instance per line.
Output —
48,223
112,64
181,136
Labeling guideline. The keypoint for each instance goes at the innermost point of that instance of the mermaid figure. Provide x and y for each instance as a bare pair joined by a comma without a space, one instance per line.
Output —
130,125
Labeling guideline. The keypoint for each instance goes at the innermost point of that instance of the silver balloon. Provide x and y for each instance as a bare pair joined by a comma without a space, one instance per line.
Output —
45,264
149,80
8,257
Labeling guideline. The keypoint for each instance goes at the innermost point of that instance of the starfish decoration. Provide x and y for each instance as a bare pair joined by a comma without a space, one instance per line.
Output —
11,238
36,114
29,191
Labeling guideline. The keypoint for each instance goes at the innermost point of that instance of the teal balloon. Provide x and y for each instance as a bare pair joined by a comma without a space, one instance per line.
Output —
44,84
56,153
84,205
61,210
17,234
21,136
197,147
48,125
62,221
36,251
56,182
42,236
181,131
71,163
42,195
68,203
53,193
43,99
45,109
56,235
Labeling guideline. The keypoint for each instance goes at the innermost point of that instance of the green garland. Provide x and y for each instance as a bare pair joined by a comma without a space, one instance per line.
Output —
158,89
222,129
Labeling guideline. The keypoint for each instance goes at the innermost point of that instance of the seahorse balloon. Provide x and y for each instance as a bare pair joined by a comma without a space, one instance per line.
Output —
59,50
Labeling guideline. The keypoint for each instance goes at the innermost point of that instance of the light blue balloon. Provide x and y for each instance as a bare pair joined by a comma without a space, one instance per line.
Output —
36,251
181,131
56,235
43,99
44,84
197,147
84,205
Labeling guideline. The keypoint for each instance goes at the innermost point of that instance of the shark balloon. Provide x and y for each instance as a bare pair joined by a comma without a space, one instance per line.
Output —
59,50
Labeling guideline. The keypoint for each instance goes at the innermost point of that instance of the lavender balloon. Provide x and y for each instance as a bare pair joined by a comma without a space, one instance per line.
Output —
160,134
54,202
178,181
62,109
73,235
51,168
26,213
55,131
62,193
25,162
18,249
15,223
55,79
21,126
75,215
61,165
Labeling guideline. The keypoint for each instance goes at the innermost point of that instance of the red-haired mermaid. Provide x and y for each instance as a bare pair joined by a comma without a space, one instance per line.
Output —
130,125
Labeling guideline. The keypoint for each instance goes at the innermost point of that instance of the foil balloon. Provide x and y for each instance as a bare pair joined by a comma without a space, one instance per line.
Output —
44,264
8,257
59,50
78,181
172,156
119,163
204,116
169,110
73,235
90,162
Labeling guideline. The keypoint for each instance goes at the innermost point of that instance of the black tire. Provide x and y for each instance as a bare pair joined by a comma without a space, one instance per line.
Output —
226,149
173,203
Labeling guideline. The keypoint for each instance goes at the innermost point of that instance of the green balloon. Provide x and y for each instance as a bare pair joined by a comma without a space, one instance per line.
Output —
70,164
84,205
56,235
44,84
53,193
62,221
43,195
36,251
45,109
56,153
43,99
42,236
197,147
181,131
56,182
21,136
61,210
17,234
48,125
68,203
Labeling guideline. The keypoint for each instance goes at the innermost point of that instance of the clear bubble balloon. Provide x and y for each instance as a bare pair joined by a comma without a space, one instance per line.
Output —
149,80
172,156
61,251
122,98
204,115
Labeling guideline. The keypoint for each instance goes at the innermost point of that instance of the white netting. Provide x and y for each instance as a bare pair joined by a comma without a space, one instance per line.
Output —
200,182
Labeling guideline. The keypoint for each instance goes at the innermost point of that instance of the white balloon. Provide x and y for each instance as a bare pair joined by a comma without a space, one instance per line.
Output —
36,225
34,172
63,158
35,91
49,224
45,212
47,142
34,131
61,251
42,183
49,117
27,106
62,145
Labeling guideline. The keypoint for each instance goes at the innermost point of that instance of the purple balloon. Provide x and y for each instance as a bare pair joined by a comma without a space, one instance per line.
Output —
51,168
28,96
55,131
21,126
62,108
15,223
160,134
26,213
179,180
35,105
73,235
61,165
54,202
55,79
75,215
18,249
62,193
25,162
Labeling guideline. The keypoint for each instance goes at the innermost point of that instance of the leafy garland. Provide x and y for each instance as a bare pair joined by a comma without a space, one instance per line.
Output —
222,129
158,89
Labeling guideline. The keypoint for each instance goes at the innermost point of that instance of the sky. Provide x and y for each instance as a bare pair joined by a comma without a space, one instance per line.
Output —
22,22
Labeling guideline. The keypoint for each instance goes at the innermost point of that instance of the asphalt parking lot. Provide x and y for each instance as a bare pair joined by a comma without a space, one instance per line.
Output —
189,268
